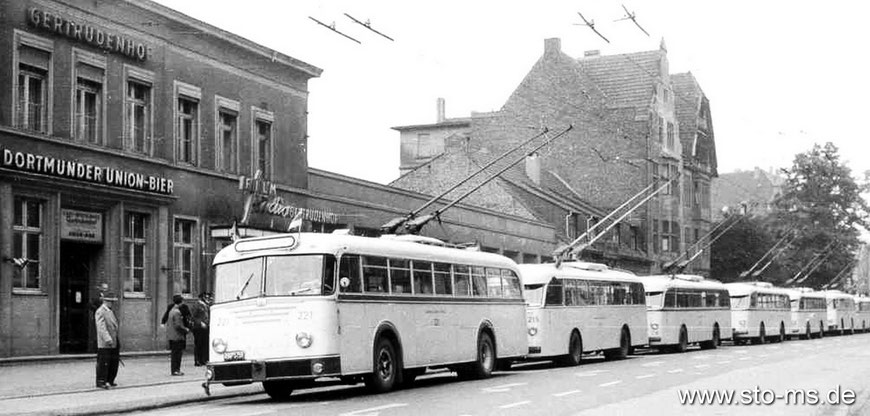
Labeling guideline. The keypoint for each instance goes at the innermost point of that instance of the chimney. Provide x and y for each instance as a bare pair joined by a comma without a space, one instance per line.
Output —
533,168
439,115
552,45
591,54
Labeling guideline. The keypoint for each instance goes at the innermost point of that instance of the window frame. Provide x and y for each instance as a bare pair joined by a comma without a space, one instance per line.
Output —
231,107
194,247
82,57
24,230
192,94
127,258
134,75
260,115
21,38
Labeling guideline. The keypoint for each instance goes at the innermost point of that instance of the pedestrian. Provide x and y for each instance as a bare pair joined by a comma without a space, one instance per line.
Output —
108,345
176,333
199,322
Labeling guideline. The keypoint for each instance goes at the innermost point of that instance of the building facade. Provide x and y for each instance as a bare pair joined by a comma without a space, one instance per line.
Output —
626,137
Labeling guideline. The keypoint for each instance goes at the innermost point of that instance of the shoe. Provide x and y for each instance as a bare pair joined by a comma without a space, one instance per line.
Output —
103,386
113,384
178,373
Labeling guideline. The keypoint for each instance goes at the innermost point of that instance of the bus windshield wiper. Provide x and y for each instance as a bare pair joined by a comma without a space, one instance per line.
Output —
296,292
245,286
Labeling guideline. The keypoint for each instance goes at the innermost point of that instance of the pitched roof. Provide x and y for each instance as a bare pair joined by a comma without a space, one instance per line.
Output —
627,79
687,102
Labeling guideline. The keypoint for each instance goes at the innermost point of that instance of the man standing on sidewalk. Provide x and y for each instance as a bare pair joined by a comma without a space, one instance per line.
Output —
108,347
199,318
176,333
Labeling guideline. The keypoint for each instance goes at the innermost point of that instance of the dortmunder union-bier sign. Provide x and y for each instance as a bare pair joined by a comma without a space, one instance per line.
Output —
46,165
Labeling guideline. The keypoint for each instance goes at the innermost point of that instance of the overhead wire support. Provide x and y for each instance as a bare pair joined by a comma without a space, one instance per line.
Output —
696,246
682,265
790,235
332,28
367,25
840,275
414,225
777,254
798,277
393,225
817,264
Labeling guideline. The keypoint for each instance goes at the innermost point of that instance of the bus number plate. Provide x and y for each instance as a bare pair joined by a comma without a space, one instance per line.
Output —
234,356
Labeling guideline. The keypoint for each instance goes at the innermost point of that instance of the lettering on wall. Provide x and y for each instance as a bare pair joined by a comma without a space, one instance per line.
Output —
83,32
46,165
81,226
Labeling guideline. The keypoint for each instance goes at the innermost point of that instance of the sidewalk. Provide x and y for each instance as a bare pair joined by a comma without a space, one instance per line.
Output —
66,386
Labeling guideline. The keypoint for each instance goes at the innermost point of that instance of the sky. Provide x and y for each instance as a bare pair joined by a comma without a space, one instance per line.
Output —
780,75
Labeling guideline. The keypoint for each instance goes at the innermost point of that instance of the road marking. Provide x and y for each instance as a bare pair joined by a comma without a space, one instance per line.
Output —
502,388
374,410
740,351
724,362
645,376
612,383
744,358
702,365
508,406
566,393
653,364
701,357
590,373
679,370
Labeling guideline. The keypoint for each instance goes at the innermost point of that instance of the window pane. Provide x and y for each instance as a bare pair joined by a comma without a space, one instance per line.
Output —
478,281
443,282
493,282
463,280
400,276
423,277
349,269
33,211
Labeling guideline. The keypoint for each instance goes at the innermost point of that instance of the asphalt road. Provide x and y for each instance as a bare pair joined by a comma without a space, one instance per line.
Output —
763,378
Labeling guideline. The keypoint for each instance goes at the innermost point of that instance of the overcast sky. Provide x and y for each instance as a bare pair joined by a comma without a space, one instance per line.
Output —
780,75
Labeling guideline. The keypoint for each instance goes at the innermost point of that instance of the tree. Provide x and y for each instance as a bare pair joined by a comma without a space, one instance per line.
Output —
822,200
739,248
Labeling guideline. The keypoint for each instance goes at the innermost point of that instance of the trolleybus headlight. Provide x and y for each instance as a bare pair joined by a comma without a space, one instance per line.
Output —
209,374
533,331
654,326
304,340
219,345
317,368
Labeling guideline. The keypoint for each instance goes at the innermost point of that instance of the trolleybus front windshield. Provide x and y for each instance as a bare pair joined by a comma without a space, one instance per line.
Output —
301,275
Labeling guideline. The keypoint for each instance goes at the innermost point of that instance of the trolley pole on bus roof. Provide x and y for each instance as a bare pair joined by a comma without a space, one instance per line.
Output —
396,223
574,248
676,266
414,224
777,249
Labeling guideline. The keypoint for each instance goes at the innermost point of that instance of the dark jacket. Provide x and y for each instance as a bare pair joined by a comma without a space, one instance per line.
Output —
199,315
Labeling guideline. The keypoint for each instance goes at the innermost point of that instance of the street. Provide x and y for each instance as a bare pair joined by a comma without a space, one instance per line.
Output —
648,383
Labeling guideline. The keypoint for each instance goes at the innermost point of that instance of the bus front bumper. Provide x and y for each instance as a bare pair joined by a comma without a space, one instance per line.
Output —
251,371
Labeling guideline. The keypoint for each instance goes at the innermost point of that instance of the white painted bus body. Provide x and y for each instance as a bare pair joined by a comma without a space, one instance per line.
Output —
748,317
303,336
808,313
599,326
668,316
841,311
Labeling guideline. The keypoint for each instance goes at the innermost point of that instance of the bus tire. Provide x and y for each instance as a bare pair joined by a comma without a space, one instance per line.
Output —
714,342
821,329
852,328
624,347
809,332
278,389
385,367
781,333
575,350
484,364
683,343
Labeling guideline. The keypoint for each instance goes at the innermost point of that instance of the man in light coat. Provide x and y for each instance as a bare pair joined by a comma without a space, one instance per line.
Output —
108,347
176,333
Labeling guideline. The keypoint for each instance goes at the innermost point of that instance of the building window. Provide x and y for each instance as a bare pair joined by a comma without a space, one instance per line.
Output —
671,144
187,130
138,106
32,85
227,141
425,147
184,239
662,127
135,252
263,148
655,236
32,82
687,190
670,236
26,242
88,109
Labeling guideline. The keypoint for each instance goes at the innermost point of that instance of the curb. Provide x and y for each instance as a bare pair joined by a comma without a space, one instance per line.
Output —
93,389
121,408
11,361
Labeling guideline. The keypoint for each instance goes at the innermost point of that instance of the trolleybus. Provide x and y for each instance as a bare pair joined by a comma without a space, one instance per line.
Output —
581,308
862,313
808,313
759,312
686,309
841,312
293,308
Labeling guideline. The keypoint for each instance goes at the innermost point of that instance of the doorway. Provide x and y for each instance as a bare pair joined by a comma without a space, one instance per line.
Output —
77,331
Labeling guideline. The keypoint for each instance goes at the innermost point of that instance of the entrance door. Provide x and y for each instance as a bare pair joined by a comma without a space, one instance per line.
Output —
76,326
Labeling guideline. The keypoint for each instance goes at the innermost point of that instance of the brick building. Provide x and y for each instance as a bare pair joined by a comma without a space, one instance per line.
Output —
624,109
131,138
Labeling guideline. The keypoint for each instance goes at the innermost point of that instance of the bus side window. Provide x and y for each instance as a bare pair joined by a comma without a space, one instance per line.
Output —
670,298
511,284
443,284
400,276
493,282
620,293
571,295
422,277
638,294
374,274
462,280
328,275
478,280
349,274
586,296
554,293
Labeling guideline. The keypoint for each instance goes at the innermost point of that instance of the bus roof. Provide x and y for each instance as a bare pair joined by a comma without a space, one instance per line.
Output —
318,243
803,292
836,294
659,283
536,274
746,288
